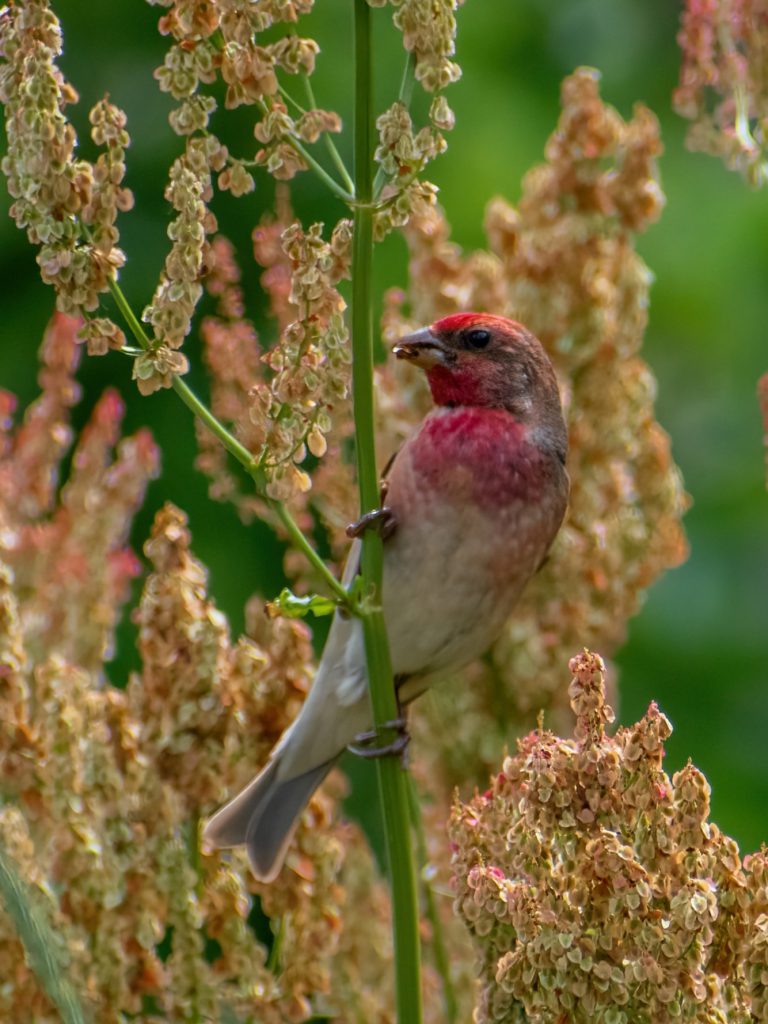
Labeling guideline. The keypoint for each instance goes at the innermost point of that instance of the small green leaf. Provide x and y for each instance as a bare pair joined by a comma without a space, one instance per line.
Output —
294,607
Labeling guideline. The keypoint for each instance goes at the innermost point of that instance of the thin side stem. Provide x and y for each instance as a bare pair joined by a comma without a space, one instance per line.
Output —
330,145
287,96
404,97
318,168
238,451
391,775
320,171
300,541
408,80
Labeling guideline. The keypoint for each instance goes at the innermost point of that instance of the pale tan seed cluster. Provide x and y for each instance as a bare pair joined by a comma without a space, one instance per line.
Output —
223,39
280,403
723,85
68,206
576,280
103,787
429,33
179,290
311,364
212,40
596,888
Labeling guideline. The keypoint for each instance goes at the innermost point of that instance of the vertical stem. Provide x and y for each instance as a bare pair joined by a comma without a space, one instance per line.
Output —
392,779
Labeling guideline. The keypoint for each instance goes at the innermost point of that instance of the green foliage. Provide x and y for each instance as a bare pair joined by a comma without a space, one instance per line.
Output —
40,943
295,607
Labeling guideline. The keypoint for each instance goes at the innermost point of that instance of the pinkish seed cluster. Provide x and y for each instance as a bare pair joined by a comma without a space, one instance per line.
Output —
596,888
723,86
101,785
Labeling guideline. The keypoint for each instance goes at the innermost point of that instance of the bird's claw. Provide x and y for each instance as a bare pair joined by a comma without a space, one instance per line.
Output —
365,742
382,519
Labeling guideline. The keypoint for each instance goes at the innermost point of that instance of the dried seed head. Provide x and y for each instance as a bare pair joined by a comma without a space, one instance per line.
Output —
590,892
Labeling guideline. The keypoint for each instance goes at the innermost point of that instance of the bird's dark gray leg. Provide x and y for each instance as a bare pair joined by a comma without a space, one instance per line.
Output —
365,744
382,519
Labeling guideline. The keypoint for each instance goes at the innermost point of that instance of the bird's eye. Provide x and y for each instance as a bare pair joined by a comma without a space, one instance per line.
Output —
477,338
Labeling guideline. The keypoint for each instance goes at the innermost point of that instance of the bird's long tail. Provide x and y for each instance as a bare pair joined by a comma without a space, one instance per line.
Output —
263,816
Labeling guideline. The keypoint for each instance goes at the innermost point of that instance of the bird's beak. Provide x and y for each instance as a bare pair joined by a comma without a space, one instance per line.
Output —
422,348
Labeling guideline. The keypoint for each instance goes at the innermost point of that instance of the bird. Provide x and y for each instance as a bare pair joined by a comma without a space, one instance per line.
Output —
473,501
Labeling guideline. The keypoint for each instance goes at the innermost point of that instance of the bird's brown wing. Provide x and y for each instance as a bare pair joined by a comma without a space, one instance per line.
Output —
352,564
383,485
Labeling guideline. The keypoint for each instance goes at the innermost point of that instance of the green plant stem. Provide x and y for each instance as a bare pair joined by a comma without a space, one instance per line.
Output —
404,97
408,79
273,961
320,171
313,165
38,940
391,775
330,145
238,451
300,541
442,961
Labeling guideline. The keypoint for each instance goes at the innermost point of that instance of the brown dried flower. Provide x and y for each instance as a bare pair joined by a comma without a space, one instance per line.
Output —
429,32
69,555
103,786
594,886
173,304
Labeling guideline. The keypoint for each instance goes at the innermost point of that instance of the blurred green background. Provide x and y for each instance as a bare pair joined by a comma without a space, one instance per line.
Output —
700,645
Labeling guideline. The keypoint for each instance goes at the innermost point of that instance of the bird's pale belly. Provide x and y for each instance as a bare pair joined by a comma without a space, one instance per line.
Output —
477,505
442,611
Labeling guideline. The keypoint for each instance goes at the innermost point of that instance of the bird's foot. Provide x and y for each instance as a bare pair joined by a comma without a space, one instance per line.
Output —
382,519
365,743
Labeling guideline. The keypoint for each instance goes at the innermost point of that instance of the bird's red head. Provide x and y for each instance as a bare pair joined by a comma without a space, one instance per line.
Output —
476,359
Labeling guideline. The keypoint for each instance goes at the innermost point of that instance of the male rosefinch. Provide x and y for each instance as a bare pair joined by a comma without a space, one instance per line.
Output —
473,502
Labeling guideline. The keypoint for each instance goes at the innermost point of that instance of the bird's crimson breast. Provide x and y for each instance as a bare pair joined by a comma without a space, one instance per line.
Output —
480,454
